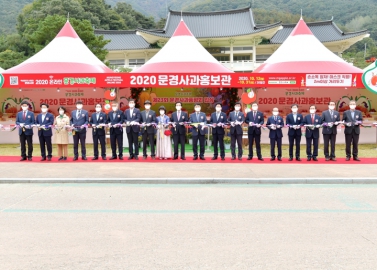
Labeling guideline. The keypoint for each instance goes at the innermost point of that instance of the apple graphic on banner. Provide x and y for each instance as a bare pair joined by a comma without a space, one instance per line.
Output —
248,97
107,106
110,94
370,78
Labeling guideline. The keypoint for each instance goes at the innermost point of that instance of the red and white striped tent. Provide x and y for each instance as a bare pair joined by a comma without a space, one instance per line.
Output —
301,53
67,53
183,54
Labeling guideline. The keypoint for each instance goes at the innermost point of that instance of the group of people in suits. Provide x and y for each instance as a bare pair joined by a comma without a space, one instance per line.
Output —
146,122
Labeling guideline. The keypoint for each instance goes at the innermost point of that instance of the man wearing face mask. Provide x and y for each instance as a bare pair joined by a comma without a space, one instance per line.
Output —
294,122
198,120
331,119
236,118
218,120
79,119
132,118
44,121
148,117
275,123
255,119
313,123
179,131
97,121
25,120
352,119
115,119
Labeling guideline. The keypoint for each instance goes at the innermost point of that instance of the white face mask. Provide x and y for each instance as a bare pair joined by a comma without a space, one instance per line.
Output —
312,111
79,107
218,109
255,108
352,107
332,107
61,112
24,108
98,109
131,105
294,110
147,107
115,109
275,113
237,108
178,108
162,112
197,109
44,110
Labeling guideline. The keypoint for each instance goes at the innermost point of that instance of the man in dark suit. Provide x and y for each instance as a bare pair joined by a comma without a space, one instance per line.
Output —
148,117
115,119
44,122
254,119
79,121
236,118
312,122
331,119
294,121
98,122
25,120
275,123
132,118
352,121
218,120
179,131
198,121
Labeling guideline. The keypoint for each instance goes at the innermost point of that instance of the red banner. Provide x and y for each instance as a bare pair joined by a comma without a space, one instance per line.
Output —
237,80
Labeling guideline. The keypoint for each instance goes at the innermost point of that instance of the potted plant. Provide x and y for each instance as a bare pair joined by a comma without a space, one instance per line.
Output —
140,140
210,140
189,136
227,142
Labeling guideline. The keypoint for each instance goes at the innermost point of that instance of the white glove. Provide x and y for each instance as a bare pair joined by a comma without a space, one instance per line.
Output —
273,127
330,125
356,123
202,123
22,125
318,126
278,126
250,124
258,125
336,123
93,125
348,124
232,124
214,124
181,123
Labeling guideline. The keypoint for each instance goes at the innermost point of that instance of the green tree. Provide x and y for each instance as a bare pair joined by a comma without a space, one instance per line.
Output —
9,58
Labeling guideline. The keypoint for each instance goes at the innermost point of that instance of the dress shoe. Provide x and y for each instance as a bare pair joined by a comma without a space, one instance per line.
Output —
43,159
112,158
64,158
333,159
240,158
250,158
195,158
298,159
309,159
95,158
348,158
84,158
202,158
49,158
233,158
272,159
120,158
153,158
104,158
223,158
356,159
30,159
261,159
279,158
137,158
214,158
75,158
315,159
183,158
290,159
130,157
327,159
23,159
175,158
144,157
61,158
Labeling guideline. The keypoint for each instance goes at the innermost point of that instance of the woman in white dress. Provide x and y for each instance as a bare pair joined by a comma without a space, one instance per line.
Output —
163,144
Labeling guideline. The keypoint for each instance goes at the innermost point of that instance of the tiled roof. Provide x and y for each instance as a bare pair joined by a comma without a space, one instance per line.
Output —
325,31
123,40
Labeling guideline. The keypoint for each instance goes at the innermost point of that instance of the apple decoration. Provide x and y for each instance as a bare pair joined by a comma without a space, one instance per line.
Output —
110,94
107,106
248,97
370,78
215,92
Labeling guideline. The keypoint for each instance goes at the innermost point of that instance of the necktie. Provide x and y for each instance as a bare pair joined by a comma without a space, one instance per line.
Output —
236,115
312,118
179,115
114,115
24,117
217,116
197,116
78,114
146,116
275,118
331,114
131,111
97,116
43,117
353,115
254,116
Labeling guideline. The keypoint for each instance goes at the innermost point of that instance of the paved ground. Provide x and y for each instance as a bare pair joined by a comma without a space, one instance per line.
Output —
102,226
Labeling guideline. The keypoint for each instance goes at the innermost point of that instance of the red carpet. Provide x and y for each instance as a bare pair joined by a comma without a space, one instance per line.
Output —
190,159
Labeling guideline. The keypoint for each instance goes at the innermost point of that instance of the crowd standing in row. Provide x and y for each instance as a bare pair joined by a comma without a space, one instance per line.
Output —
148,123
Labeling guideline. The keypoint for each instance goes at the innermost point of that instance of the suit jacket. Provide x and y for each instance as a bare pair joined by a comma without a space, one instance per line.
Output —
179,129
277,133
222,119
134,117
291,121
201,119
29,120
150,119
82,119
49,120
259,119
119,119
102,119
326,118
312,133
347,118
240,118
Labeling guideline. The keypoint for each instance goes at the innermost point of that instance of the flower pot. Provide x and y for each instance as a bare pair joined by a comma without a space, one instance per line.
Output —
190,141
227,146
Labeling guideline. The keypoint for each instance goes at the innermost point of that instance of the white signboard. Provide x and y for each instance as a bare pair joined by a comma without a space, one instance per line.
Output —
333,80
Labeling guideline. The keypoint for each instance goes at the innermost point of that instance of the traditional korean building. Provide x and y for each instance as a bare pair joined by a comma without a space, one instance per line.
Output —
232,37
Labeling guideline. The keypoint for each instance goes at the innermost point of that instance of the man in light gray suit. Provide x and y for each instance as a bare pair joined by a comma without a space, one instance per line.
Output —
330,120
352,121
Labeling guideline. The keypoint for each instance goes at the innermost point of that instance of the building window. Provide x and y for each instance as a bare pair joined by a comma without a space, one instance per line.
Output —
136,62
119,62
242,48
222,58
241,58
262,57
